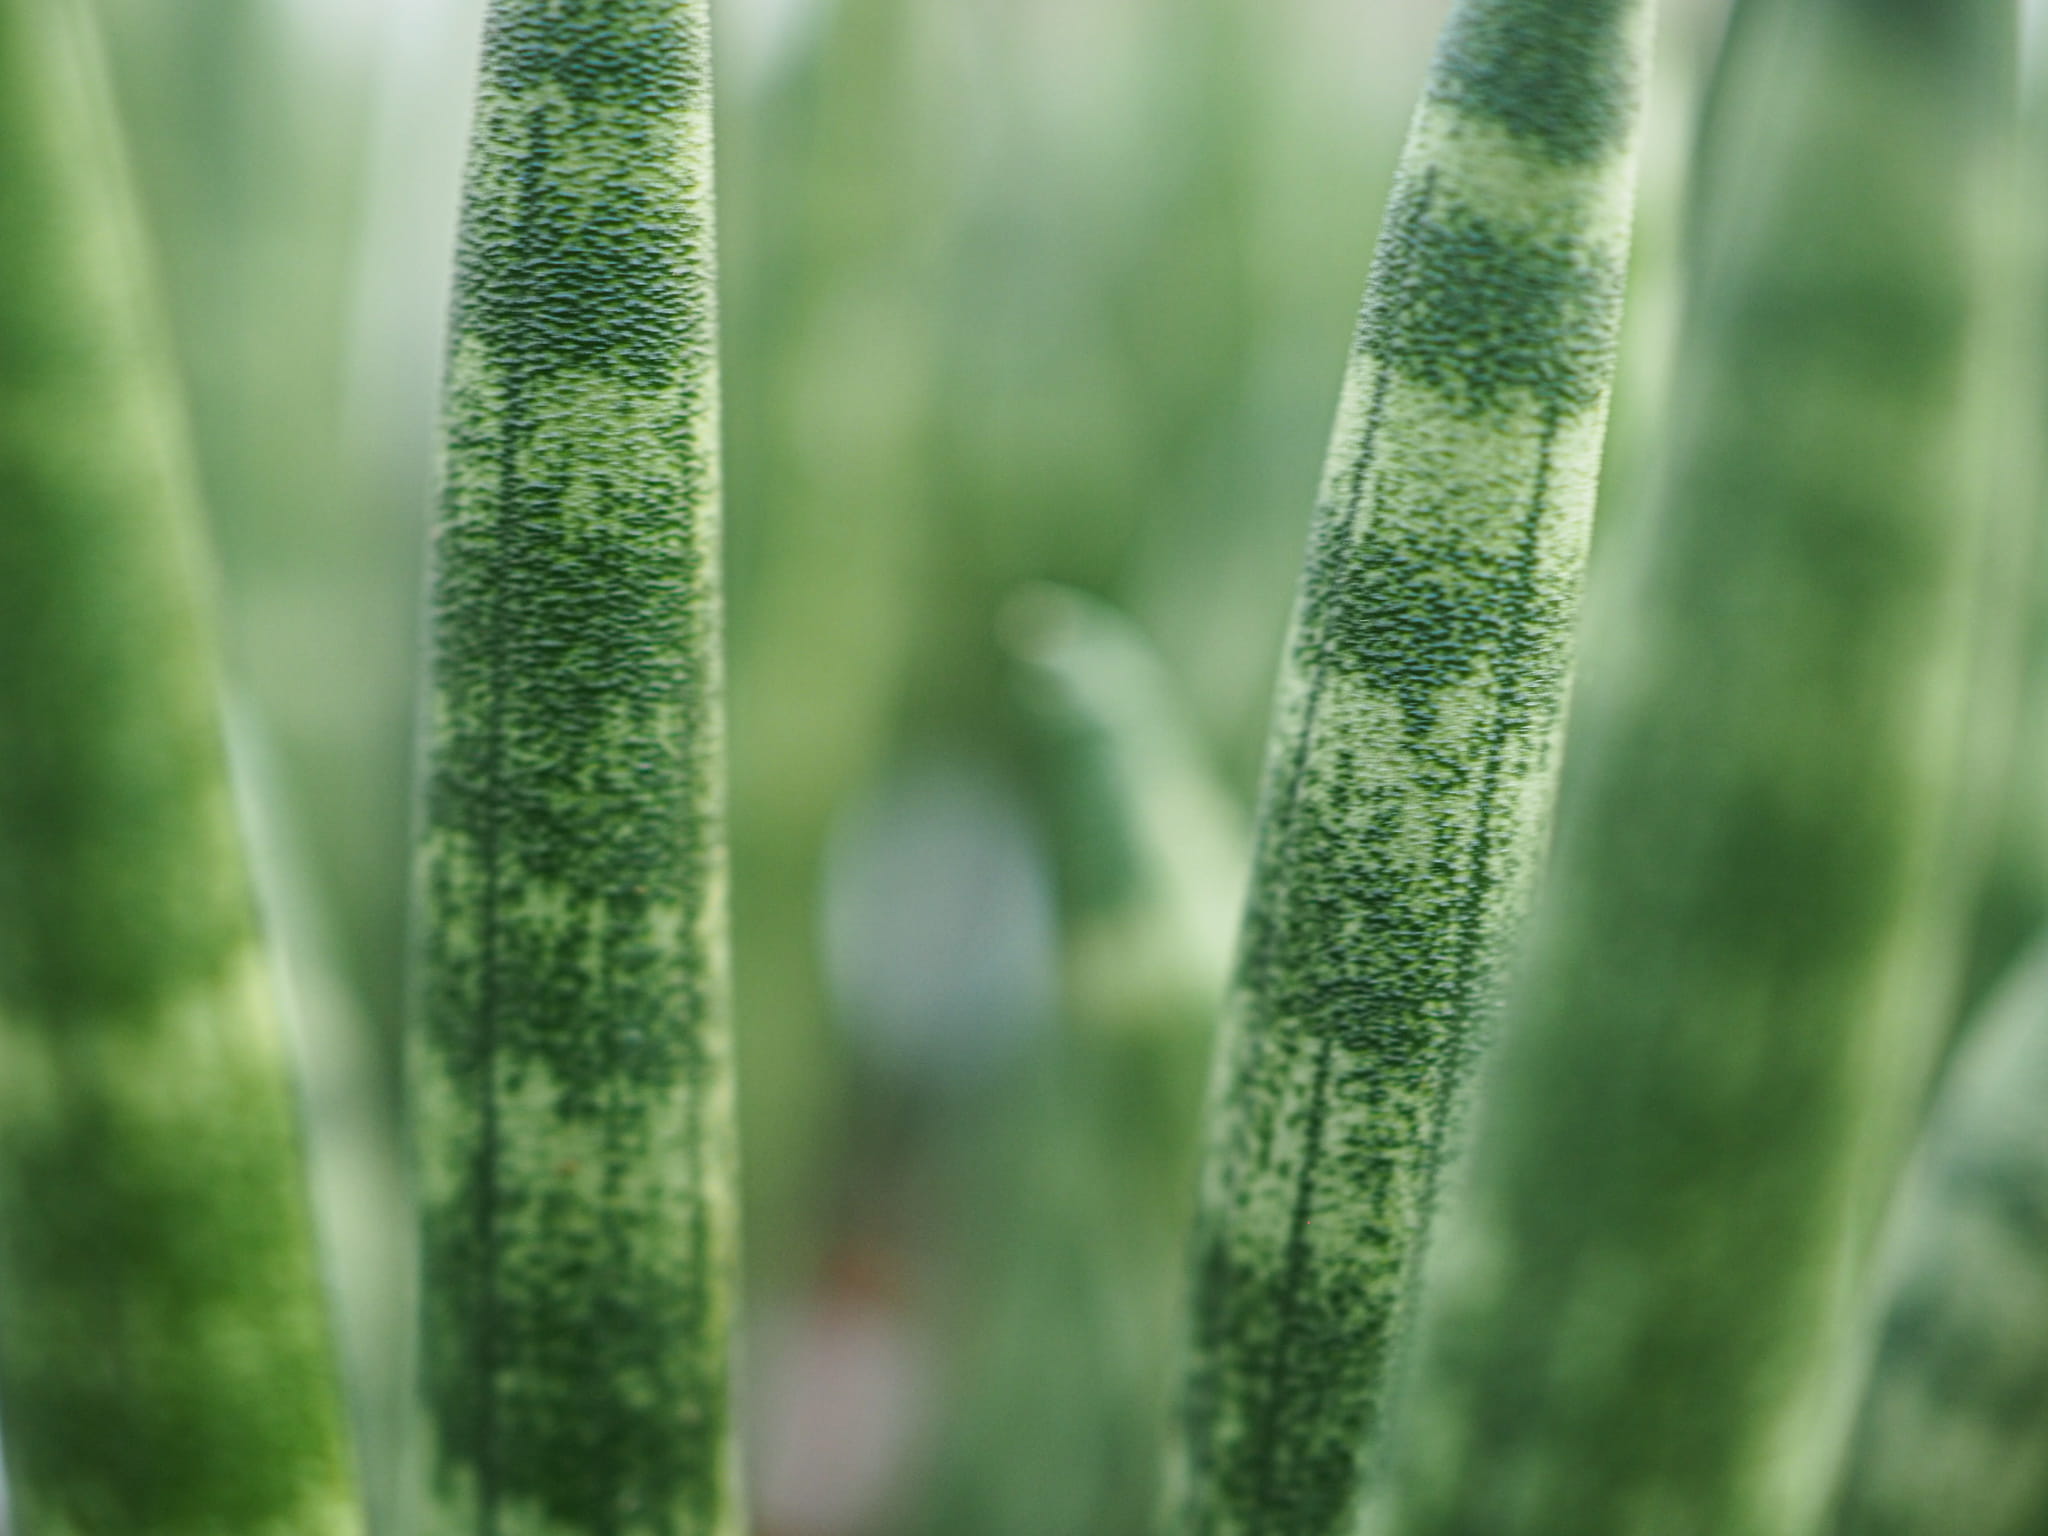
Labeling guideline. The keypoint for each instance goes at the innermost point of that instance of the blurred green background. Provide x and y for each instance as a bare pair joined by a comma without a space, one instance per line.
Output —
1034,313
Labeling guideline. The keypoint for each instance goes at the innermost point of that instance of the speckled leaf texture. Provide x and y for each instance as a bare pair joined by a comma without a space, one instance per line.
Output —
1637,1308
573,1068
165,1365
1414,752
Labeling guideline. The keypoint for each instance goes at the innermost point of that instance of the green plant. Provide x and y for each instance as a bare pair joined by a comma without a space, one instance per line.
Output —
1408,784
1024,292
1733,990
572,1087
1076,1195
164,1357
1959,1342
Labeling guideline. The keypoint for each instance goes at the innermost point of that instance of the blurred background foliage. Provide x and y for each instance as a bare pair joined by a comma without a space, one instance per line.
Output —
1034,314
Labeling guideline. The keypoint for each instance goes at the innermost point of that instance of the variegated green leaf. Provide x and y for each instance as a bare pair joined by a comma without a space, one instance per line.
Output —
573,1062
164,1362
1637,1306
1410,776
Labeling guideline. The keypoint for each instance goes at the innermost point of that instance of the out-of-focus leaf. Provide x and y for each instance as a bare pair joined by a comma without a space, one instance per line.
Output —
1636,1311
1952,1435
165,1363
1078,1188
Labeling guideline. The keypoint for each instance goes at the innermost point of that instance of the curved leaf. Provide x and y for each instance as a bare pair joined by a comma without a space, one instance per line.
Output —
1409,779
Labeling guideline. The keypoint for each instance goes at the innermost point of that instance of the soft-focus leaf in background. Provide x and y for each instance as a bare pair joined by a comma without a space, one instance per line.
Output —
1639,1312
1951,1430
1074,1193
166,1362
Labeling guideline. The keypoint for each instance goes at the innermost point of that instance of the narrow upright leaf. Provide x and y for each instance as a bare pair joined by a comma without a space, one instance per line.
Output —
573,1065
164,1362
1080,1180
1409,780
1638,1304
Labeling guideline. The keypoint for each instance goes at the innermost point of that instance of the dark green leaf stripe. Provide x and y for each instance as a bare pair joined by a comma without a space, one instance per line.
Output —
1637,1307
164,1362
1414,751
1561,77
572,1078
1952,1435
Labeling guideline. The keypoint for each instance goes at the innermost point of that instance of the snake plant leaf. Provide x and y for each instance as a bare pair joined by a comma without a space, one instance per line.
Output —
572,1063
1151,846
1637,1307
1953,1423
165,1364
355,1167
1079,1180
1412,760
